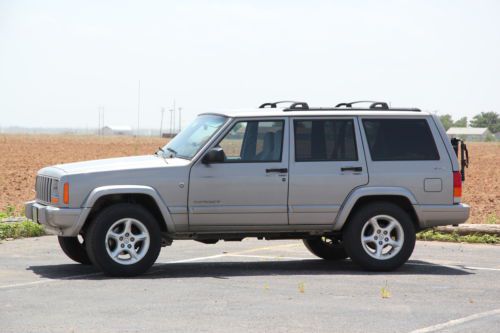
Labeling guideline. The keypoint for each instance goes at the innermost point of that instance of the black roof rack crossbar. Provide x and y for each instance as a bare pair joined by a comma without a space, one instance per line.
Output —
275,104
373,105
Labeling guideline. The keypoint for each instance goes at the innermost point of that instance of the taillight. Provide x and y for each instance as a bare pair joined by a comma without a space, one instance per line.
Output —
457,186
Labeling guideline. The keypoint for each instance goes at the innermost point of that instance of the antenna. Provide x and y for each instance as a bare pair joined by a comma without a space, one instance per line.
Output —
161,122
180,124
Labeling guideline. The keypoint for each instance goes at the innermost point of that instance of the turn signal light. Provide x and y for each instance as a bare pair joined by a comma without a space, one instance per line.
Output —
66,193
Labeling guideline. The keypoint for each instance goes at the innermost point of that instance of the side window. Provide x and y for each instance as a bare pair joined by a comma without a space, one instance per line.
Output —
325,140
254,141
400,140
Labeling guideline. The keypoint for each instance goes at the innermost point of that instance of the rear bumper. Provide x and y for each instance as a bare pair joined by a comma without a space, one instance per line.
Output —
436,215
58,221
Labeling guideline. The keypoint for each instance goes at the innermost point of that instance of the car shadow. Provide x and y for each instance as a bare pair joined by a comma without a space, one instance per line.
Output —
228,269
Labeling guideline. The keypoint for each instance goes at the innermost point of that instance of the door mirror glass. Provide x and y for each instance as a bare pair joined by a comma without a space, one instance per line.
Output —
214,155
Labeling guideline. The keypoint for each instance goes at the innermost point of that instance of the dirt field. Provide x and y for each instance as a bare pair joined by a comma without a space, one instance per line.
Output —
22,155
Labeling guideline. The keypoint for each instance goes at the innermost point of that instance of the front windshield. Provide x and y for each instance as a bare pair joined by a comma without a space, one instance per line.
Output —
191,139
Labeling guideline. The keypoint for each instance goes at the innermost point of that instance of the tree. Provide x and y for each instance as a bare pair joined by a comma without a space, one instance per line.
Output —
446,120
462,122
487,119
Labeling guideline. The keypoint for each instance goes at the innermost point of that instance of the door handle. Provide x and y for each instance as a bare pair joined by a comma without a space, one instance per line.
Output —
282,170
355,169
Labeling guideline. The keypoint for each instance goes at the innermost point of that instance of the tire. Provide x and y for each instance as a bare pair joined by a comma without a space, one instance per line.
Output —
124,240
75,250
326,248
379,237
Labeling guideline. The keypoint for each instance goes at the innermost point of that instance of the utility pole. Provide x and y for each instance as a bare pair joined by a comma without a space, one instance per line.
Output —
161,122
99,121
171,122
138,106
180,124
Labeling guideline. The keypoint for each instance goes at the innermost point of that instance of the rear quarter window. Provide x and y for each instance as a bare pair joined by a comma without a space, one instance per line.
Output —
400,140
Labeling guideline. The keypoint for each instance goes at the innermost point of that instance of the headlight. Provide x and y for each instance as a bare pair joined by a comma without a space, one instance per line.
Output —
54,191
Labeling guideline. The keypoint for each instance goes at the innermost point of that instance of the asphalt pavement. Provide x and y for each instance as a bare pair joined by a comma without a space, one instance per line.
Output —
250,286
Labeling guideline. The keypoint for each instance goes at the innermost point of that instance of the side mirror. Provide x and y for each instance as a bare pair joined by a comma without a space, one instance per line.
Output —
214,155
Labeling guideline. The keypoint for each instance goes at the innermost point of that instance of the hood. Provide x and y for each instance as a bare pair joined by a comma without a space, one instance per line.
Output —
113,164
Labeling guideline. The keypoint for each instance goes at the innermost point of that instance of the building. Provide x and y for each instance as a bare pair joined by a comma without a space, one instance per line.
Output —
116,130
469,133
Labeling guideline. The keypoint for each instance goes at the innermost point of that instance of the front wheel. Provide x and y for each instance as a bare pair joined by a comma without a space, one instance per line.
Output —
74,249
124,240
326,247
380,236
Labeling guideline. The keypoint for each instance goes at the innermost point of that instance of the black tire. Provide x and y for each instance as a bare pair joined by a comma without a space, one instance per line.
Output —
358,250
75,250
326,248
97,245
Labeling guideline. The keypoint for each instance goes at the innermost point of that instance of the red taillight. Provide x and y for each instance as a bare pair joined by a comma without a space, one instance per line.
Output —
457,186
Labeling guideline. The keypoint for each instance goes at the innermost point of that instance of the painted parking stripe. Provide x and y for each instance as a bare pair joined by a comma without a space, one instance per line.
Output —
456,322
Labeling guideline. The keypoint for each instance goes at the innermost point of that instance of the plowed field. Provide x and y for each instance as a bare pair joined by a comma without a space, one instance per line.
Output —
22,155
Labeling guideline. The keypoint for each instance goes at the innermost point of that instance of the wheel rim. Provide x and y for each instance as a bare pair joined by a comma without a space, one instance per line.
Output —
127,241
382,237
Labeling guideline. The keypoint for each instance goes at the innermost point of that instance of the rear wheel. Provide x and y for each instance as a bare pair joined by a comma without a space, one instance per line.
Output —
380,236
124,240
326,247
74,248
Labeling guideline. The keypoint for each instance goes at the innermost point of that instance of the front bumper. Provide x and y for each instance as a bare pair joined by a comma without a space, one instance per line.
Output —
58,221
437,215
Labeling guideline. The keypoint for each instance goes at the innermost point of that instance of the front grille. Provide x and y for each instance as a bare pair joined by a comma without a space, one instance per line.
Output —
43,186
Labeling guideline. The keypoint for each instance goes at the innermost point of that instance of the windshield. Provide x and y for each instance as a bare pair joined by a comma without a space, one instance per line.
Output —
191,139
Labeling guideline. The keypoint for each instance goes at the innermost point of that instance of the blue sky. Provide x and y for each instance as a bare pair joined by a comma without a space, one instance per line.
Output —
60,60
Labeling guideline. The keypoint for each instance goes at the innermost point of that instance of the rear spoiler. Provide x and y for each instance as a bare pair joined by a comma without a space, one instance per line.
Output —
464,154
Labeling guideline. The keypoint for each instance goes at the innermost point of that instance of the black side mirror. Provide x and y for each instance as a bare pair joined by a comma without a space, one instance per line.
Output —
214,155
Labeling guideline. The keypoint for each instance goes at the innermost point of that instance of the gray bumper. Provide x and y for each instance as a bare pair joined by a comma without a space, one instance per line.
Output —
436,215
58,221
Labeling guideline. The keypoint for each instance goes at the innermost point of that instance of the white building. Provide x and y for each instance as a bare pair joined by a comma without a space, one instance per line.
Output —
469,133
116,130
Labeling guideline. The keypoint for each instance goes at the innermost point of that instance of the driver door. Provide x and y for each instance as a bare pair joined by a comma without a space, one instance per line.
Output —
250,187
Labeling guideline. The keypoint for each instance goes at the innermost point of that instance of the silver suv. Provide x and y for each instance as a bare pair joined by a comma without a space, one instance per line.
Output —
350,181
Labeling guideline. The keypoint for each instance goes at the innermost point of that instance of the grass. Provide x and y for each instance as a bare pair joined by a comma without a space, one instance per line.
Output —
433,235
20,229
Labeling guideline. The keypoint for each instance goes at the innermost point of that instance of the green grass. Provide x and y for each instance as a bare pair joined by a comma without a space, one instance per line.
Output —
433,235
20,229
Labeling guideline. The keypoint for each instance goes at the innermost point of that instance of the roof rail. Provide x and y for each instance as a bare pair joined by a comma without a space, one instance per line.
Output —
275,104
373,105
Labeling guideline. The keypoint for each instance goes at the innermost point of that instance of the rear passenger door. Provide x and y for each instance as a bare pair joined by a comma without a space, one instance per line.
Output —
326,163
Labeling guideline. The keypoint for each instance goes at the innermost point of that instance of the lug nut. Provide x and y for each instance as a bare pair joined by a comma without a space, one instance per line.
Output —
129,246
375,237
380,243
121,238
385,232
378,231
126,235
387,239
123,245
132,239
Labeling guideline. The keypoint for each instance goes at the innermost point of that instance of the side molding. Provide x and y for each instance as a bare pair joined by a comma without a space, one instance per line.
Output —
361,192
127,189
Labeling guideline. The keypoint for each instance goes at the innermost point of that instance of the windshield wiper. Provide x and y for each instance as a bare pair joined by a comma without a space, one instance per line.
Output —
172,151
159,149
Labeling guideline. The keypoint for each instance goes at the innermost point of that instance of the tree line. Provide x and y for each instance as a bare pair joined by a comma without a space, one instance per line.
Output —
490,119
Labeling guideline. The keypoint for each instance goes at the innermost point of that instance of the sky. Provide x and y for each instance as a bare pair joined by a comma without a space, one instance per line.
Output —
61,60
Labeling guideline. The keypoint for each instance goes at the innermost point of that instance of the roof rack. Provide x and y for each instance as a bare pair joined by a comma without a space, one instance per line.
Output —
294,104
374,106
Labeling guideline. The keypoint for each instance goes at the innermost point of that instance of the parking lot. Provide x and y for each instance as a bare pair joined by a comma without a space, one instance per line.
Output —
250,286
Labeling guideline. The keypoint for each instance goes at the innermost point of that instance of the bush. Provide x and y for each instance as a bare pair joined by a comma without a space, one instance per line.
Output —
20,229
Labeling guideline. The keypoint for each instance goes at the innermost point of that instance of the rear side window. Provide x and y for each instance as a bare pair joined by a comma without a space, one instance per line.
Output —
400,140
325,140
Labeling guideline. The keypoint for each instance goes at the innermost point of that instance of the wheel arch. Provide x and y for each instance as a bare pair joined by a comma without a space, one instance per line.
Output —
146,196
399,196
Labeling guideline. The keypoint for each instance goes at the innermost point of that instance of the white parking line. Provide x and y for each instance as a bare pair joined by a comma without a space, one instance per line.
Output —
456,322
266,257
437,264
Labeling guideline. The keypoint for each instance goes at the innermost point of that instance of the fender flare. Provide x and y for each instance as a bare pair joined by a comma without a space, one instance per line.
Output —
371,191
102,191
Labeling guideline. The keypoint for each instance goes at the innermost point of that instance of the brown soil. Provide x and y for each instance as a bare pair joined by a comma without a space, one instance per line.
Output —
22,155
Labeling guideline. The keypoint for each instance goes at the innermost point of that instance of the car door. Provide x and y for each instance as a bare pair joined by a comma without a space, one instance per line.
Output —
327,162
251,186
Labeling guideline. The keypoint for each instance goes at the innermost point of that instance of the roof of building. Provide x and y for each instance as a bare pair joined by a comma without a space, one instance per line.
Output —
121,128
467,130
